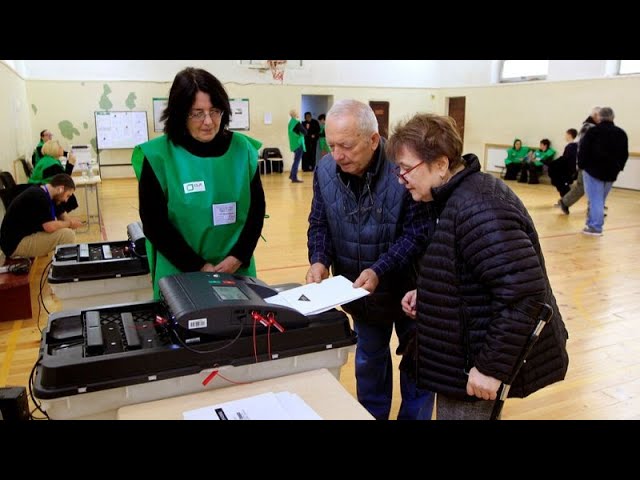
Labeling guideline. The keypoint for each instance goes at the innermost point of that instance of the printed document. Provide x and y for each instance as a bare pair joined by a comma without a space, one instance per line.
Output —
316,298
267,406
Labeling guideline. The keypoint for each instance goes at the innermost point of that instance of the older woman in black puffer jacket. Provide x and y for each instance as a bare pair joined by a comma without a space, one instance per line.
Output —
482,280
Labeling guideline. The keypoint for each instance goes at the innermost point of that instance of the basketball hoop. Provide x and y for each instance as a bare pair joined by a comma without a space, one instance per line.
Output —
277,69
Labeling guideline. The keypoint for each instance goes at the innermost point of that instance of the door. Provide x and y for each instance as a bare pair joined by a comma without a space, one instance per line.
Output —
381,111
456,111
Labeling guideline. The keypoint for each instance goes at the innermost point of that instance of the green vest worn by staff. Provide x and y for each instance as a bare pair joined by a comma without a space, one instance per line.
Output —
542,157
322,142
37,155
296,140
45,162
516,156
195,188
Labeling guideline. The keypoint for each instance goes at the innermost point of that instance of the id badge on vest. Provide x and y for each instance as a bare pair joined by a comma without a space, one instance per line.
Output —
224,213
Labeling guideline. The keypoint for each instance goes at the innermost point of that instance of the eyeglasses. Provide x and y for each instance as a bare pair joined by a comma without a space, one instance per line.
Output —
403,175
199,115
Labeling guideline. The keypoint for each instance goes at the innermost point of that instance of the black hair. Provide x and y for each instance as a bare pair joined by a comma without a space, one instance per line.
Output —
62,180
322,116
186,85
573,132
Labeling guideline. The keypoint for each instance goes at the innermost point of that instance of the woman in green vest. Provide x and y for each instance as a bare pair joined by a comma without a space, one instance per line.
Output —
323,146
50,165
515,156
45,136
201,199
296,133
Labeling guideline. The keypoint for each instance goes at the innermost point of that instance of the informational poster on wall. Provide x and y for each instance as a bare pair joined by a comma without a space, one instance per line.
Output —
239,114
116,130
159,104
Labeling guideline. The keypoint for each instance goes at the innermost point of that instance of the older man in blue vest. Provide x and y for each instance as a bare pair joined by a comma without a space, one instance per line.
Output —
364,225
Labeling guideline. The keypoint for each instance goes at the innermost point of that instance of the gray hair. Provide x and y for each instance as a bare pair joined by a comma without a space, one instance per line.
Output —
366,120
606,114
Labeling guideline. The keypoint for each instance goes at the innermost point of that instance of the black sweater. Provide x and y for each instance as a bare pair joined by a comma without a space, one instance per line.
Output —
164,235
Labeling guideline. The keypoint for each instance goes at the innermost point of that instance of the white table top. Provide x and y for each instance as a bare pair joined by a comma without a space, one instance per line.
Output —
318,388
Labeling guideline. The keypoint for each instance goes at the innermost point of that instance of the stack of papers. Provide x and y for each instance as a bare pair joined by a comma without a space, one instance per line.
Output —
268,406
316,298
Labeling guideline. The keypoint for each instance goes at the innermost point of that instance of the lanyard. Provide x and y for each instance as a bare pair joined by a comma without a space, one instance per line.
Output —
53,208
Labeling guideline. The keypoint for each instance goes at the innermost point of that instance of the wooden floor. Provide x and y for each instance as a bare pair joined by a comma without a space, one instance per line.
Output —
594,279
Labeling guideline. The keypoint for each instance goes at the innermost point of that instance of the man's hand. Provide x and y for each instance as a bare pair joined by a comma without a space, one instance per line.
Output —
481,385
229,265
368,280
409,303
316,273
74,223
207,267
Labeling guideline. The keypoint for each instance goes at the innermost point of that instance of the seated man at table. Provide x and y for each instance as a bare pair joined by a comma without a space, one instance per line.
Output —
35,224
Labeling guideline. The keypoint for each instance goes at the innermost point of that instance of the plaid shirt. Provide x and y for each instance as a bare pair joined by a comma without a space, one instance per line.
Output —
417,224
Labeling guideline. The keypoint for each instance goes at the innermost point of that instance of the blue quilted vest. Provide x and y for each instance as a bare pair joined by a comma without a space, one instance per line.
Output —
362,230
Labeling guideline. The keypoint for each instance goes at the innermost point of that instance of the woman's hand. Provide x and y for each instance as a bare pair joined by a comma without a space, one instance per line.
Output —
229,265
482,386
71,159
409,303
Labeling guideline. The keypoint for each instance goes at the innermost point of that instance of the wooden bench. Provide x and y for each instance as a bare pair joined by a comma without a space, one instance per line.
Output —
15,295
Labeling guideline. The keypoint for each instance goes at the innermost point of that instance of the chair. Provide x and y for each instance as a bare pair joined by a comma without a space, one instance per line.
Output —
28,169
270,155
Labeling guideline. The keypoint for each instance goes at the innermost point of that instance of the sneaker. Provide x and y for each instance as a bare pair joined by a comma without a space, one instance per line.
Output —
557,204
592,231
295,180
563,207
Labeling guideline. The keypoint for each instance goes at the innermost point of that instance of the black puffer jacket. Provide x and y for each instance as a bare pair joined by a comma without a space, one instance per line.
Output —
484,263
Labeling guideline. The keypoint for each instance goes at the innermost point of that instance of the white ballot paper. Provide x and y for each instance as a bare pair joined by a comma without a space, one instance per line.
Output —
267,406
319,297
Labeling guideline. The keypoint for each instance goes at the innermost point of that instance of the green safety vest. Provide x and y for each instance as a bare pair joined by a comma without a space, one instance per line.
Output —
322,142
296,140
45,162
37,156
192,186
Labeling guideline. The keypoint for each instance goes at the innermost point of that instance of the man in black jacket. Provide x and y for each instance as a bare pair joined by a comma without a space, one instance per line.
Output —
602,155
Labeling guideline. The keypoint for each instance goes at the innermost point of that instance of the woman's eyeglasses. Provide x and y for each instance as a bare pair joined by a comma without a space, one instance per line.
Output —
403,175
199,115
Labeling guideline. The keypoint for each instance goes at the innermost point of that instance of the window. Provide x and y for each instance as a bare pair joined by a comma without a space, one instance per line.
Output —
629,66
524,70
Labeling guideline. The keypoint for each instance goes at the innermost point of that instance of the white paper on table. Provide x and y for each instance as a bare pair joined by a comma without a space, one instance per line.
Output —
316,298
266,406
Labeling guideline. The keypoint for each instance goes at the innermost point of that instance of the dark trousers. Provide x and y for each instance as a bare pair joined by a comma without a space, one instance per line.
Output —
512,171
560,176
374,373
309,157
530,173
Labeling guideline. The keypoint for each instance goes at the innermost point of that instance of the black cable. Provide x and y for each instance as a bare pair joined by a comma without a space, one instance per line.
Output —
40,297
33,398
207,351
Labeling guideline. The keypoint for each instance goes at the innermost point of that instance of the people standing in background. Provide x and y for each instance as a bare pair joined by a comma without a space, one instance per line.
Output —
364,225
603,154
45,136
515,157
577,189
296,133
532,165
323,148
562,170
311,142
50,165
482,282
201,199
